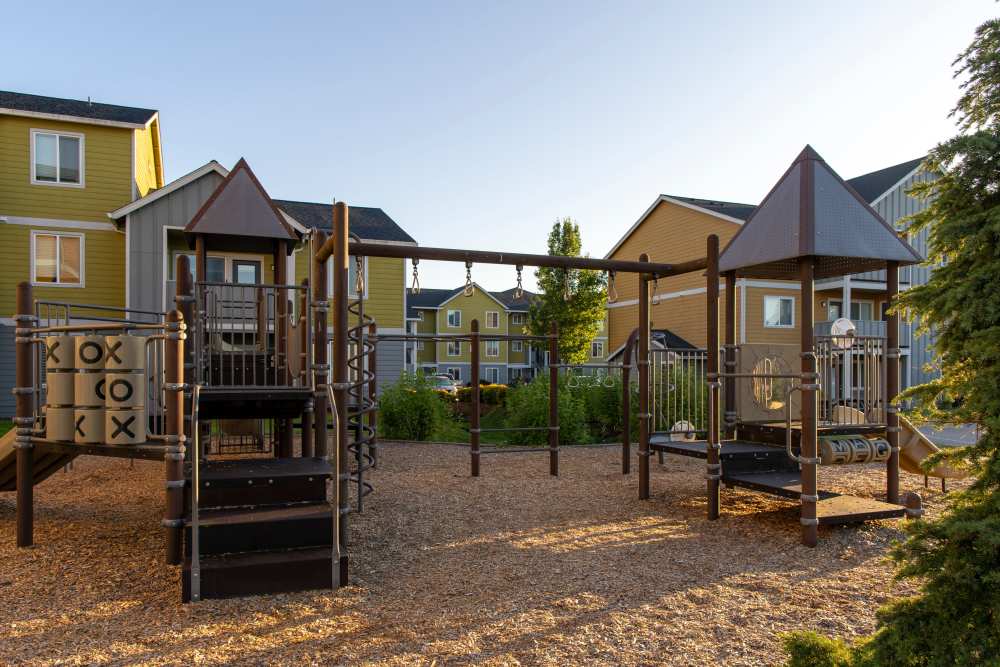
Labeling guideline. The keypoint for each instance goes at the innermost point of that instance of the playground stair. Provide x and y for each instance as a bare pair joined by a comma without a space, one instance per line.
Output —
46,464
265,527
766,468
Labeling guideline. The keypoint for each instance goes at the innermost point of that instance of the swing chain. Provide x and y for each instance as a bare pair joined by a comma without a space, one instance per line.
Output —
415,289
359,276
612,291
469,289
519,290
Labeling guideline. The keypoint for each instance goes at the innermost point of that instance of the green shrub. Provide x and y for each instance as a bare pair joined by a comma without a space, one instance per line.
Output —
808,649
411,409
493,394
464,395
528,406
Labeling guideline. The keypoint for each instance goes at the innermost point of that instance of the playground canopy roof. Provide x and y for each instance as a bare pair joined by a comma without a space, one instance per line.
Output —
240,207
812,212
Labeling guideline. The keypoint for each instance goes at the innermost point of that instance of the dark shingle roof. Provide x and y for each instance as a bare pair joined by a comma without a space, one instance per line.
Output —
732,209
368,223
427,298
872,186
507,298
77,108
670,340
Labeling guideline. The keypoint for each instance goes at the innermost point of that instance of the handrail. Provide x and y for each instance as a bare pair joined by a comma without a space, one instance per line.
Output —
195,489
333,458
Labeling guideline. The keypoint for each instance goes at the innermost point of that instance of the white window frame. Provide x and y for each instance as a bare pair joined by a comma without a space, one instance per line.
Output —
493,345
420,346
597,345
517,346
517,319
494,314
351,294
780,298
495,372
420,316
35,233
870,302
455,372
458,346
448,319
57,133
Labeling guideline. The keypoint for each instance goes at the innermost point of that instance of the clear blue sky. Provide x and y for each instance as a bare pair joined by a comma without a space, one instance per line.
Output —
477,124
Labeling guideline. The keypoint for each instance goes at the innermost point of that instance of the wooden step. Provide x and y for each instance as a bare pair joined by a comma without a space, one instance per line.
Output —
262,573
256,482
269,528
851,509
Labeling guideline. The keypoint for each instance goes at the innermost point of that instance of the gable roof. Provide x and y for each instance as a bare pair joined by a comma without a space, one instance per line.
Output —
173,186
429,298
507,298
241,207
661,338
811,211
873,185
726,208
368,223
57,108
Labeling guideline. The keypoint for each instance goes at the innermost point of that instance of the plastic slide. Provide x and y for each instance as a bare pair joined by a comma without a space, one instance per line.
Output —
915,447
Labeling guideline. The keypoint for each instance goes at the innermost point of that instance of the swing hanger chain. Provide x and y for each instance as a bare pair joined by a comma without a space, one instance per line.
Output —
359,276
415,289
519,290
612,290
469,289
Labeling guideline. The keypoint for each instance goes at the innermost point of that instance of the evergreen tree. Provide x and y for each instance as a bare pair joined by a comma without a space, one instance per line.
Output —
954,619
572,298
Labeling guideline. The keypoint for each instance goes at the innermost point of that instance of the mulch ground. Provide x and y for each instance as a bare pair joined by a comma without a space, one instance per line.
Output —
515,567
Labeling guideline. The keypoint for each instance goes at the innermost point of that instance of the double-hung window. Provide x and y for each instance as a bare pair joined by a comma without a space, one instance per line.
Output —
57,158
779,312
493,375
517,319
57,259
597,349
517,346
492,319
492,348
454,318
456,374
454,348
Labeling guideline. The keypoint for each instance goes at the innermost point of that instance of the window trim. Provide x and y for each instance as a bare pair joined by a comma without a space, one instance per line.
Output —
447,349
517,319
34,132
447,319
779,325
496,372
600,347
455,372
519,346
496,346
840,301
496,314
83,258
236,261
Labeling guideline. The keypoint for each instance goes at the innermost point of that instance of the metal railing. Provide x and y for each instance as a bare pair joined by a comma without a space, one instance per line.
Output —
852,378
245,335
678,391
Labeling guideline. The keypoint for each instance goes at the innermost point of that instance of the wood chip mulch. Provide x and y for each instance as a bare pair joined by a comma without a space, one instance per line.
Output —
513,568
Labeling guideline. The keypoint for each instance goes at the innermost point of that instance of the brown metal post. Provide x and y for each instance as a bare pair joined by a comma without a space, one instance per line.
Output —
807,449
173,354
320,363
341,375
286,431
627,404
200,259
713,472
729,383
642,361
373,393
306,436
554,400
474,433
892,383
24,388
184,302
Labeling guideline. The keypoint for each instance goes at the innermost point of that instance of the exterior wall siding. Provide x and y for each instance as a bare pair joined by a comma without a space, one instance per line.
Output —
385,287
146,241
146,176
6,371
474,307
107,166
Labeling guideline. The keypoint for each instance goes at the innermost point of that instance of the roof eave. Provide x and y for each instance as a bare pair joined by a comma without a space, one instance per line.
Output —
76,119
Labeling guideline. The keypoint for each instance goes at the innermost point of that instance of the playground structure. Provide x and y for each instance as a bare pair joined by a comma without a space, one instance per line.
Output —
220,385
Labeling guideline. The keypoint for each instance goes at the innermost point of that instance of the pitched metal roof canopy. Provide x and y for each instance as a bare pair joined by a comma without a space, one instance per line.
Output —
812,212
241,207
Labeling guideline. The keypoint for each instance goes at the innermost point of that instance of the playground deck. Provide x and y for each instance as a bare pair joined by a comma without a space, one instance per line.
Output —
515,566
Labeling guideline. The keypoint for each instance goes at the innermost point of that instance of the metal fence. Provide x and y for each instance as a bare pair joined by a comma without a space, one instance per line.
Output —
678,391
852,374
246,335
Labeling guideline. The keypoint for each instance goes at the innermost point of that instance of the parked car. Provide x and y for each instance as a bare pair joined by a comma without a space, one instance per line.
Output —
444,383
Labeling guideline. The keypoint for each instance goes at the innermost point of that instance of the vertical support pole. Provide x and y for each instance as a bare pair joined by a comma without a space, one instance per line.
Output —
24,390
286,431
321,368
729,383
713,465
173,354
474,432
373,393
306,436
807,448
554,400
847,387
341,376
184,302
200,258
892,383
642,361
627,405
